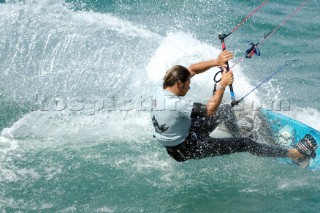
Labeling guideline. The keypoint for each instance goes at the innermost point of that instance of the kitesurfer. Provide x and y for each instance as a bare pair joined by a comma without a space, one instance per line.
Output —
183,126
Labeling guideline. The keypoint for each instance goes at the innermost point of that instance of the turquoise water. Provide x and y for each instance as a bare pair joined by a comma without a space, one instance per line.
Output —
76,79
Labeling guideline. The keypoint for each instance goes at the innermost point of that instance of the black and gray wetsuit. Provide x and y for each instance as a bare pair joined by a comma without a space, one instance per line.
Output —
183,128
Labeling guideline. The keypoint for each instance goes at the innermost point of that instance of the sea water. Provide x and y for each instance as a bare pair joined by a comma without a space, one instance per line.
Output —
75,87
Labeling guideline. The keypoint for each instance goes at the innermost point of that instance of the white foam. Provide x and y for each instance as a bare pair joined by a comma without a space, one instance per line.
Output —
249,190
55,50
7,146
307,115
177,48
289,184
57,10
106,209
53,126
114,23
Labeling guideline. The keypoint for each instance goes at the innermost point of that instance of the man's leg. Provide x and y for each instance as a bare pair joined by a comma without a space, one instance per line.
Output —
224,114
207,147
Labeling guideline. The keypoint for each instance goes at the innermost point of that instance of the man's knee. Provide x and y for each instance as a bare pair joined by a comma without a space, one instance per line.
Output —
226,112
226,108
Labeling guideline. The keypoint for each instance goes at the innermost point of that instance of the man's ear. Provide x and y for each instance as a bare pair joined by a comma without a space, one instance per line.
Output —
180,85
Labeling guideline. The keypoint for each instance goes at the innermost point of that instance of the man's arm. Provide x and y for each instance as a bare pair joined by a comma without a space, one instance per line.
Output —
200,67
200,110
215,101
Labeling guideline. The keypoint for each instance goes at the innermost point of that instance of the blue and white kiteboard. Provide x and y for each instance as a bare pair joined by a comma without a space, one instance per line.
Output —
288,132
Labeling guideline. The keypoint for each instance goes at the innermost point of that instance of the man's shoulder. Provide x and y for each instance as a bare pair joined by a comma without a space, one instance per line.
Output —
164,94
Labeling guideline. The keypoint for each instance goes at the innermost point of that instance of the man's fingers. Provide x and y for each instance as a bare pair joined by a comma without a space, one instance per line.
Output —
231,73
229,56
224,68
227,53
224,57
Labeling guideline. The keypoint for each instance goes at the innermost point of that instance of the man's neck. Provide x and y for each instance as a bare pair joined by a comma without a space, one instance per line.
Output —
173,90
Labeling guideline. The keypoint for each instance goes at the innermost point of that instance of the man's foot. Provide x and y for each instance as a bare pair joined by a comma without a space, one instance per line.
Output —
307,147
303,162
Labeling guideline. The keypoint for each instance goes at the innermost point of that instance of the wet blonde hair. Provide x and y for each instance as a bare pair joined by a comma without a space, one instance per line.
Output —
175,74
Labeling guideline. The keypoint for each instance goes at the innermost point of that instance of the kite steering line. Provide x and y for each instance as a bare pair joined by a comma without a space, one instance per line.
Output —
253,50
